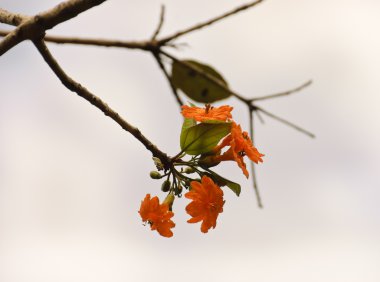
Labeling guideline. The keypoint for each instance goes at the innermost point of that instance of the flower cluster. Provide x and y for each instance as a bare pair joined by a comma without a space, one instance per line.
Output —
209,136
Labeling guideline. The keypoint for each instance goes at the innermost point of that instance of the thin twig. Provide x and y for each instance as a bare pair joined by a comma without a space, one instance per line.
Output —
209,22
168,78
297,89
97,102
296,127
261,119
160,23
256,186
251,124
143,45
253,171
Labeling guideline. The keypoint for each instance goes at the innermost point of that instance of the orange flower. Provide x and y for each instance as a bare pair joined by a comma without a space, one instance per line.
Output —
158,216
240,146
209,113
207,203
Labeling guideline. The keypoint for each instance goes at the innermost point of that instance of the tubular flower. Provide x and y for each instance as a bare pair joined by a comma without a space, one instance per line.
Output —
207,203
209,113
158,216
240,146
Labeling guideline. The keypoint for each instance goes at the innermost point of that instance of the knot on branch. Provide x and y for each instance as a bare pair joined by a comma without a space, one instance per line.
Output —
33,29
154,46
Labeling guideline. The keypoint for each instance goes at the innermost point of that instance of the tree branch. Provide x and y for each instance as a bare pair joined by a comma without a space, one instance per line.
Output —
11,18
143,45
35,27
97,102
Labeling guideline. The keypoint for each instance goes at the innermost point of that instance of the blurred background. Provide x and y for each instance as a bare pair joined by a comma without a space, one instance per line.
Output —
71,180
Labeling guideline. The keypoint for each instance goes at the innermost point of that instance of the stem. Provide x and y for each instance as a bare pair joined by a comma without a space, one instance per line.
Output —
291,91
168,78
253,171
209,22
160,23
288,123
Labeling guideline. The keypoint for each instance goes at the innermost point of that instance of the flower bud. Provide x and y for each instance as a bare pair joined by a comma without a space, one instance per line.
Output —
155,175
189,170
169,200
165,187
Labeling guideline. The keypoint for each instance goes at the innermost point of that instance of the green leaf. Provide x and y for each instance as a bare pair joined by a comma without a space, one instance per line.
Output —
235,187
203,137
187,123
196,86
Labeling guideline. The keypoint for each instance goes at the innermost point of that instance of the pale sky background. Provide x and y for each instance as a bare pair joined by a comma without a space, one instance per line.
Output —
71,180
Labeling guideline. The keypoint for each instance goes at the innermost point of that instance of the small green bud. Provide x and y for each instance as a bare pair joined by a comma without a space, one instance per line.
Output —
189,170
155,175
165,187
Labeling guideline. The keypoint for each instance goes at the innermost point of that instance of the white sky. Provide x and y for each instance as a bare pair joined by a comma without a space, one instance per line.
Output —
71,181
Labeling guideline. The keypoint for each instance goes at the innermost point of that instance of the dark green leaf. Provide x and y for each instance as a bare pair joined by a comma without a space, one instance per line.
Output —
203,137
196,86
235,187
